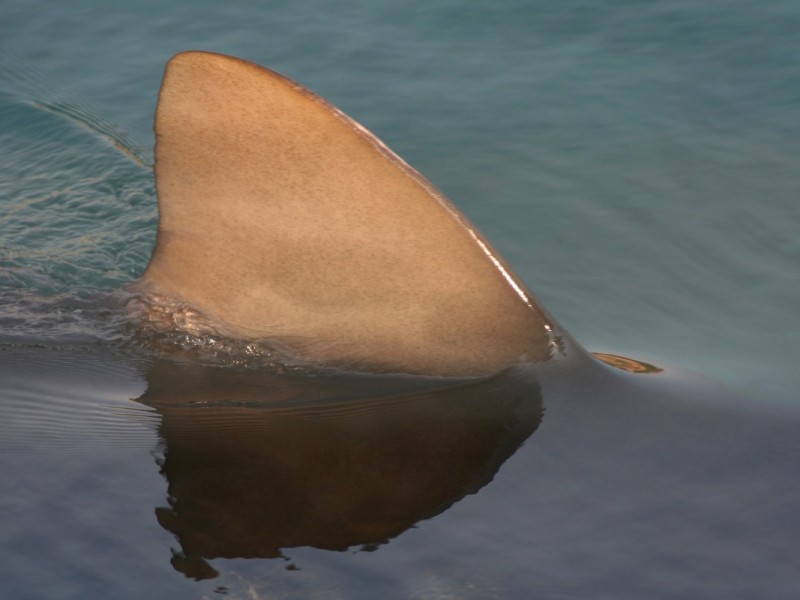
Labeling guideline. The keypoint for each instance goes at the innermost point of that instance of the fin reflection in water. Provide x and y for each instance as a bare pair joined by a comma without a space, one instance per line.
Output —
258,462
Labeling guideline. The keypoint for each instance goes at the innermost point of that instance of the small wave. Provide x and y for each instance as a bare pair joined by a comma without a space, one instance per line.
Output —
167,327
60,396
84,115
23,79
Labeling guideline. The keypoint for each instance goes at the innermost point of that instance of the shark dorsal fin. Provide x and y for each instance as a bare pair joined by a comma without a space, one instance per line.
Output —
281,218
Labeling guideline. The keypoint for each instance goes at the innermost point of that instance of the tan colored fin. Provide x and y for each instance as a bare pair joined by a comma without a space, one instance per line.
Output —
281,218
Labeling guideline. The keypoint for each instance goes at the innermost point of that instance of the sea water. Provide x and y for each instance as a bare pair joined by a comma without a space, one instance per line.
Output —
634,161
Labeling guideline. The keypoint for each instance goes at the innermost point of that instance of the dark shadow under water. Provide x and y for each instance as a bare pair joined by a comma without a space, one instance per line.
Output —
604,484
258,462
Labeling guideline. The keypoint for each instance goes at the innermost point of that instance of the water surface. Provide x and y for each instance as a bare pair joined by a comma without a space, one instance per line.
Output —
635,162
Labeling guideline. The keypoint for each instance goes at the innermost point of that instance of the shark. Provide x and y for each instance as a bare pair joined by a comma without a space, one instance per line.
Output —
284,221
434,374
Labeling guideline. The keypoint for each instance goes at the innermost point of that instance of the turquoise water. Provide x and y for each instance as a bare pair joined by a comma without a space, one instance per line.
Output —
635,162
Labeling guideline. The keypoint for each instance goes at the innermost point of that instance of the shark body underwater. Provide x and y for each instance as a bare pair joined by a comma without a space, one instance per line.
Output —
427,364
